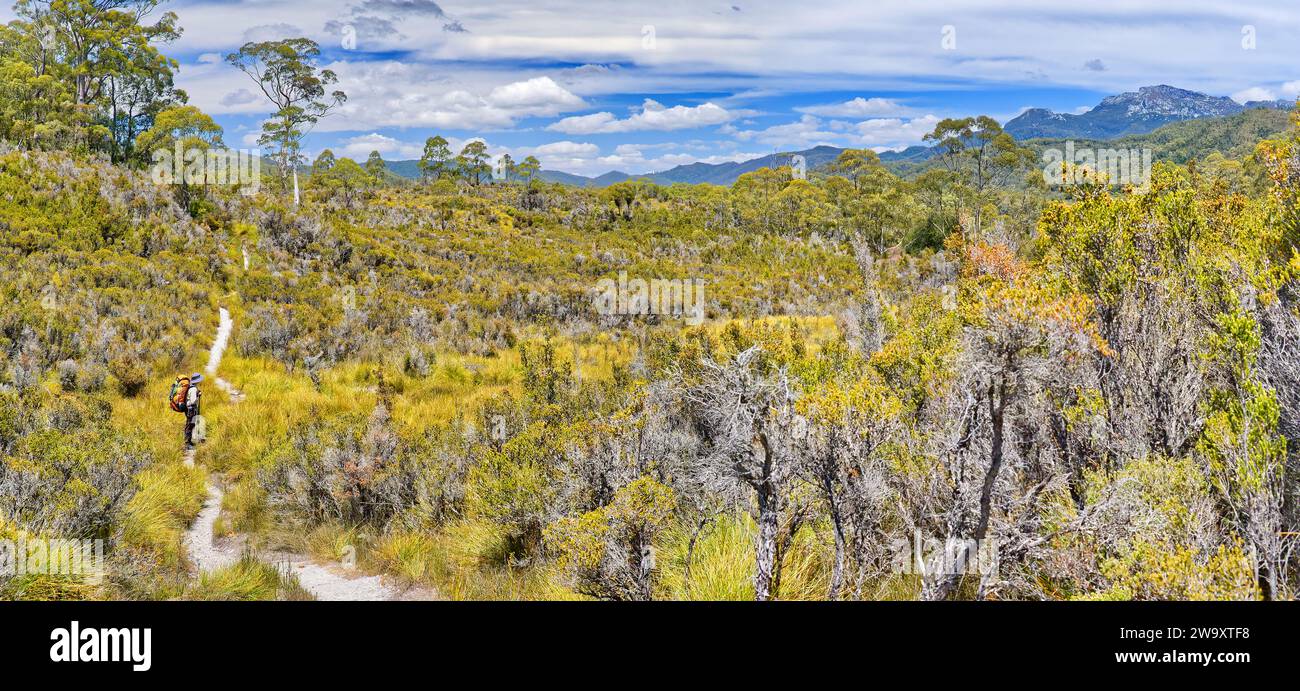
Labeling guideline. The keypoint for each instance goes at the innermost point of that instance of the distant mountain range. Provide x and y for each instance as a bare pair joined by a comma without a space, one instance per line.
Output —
1134,116
727,173
1135,112
696,173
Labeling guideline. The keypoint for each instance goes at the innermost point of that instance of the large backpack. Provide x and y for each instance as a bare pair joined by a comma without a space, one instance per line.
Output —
180,391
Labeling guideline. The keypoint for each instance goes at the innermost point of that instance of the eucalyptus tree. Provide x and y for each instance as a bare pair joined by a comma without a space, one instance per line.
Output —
286,73
435,163
980,153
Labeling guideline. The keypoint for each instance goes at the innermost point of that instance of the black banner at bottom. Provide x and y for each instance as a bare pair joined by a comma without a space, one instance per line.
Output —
338,641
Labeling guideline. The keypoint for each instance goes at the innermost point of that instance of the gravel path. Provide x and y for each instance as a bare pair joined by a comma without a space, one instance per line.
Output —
204,551
325,582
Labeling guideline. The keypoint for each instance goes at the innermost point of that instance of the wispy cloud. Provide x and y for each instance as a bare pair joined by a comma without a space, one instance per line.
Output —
858,108
875,133
652,116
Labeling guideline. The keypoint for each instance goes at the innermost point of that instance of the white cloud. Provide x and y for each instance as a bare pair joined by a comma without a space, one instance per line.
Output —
1254,93
583,124
894,133
389,93
393,94
876,133
571,157
359,148
272,32
239,97
652,117
209,59
540,93
565,148
807,131
631,159
1291,89
858,108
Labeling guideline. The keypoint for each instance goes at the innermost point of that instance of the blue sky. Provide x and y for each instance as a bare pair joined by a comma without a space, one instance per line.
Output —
591,86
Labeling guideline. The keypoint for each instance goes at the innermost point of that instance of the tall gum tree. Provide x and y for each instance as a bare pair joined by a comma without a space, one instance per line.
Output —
286,73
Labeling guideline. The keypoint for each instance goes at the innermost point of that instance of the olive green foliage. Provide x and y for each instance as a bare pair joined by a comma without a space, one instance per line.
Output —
607,550
86,75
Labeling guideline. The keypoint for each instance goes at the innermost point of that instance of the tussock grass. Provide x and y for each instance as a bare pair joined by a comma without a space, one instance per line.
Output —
244,509
221,526
47,588
330,542
898,587
247,579
170,495
408,555
465,561
149,561
274,401
42,587
148,418
722,564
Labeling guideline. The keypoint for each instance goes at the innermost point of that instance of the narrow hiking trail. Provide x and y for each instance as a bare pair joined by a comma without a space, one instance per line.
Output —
209,553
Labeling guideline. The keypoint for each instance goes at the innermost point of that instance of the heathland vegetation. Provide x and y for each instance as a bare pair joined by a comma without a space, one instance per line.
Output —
957,384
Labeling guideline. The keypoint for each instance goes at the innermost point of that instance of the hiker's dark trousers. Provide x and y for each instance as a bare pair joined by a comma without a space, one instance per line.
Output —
190,416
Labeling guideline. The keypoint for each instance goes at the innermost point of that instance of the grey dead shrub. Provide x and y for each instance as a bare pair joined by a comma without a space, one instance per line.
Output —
68,372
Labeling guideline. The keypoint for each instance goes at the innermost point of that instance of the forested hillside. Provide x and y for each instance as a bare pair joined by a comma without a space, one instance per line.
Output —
966,385
1230,136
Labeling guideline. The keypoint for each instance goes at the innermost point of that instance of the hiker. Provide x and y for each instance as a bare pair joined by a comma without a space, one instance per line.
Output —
192,398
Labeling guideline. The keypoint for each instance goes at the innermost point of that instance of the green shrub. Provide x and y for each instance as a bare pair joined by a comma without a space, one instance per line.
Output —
130,374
